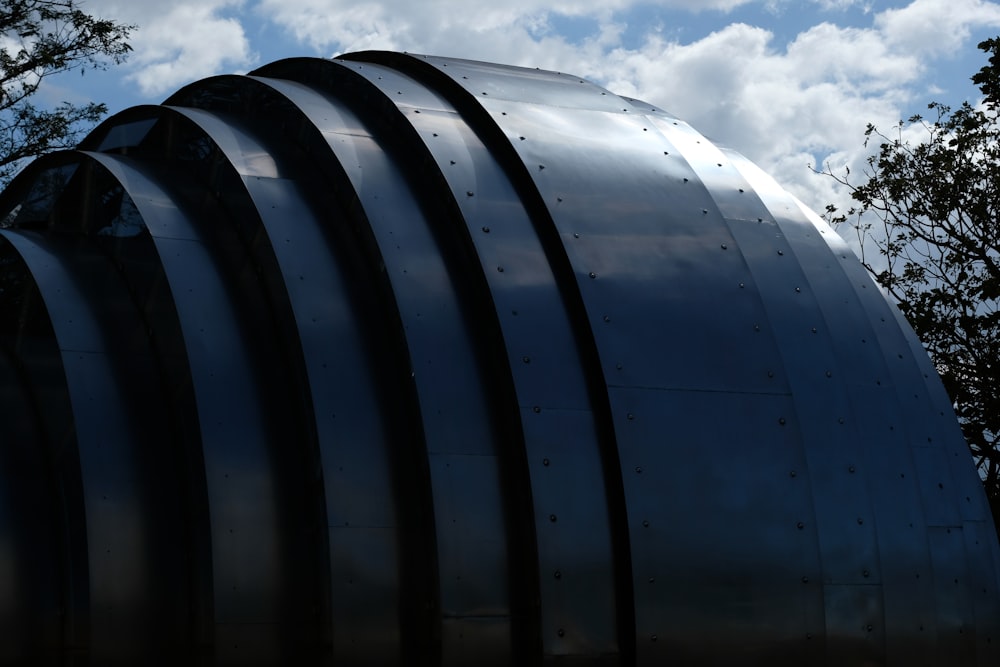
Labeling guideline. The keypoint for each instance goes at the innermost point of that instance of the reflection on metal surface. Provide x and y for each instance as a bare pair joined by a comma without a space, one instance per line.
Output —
396,359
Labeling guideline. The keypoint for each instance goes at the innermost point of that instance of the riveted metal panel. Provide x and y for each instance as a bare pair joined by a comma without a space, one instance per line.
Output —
531,86
463,639
29,339
244,517
32,587
546,378
578,599
982,590
742,499
93,321
363,559
855,634
822,409
956,622
663,229
456,421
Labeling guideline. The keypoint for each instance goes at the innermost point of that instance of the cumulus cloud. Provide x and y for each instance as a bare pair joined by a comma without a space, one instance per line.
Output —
804,104
784,103
180,41
931,27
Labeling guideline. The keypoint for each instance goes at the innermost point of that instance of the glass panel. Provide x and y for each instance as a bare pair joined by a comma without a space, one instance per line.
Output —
126,134
37,204
124,218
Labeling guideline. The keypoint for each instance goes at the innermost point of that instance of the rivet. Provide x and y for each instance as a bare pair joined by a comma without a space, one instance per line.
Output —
526,359
540,167
652,580
607,319
742,285
829,374
552,518
545,462
652,638
576,235
793,474
559,199
868,628
685,180
451,161
741,189
537,409
630,416
805,580
850,469
469,193
618,367
840,420
809,635
638,470
645,523
725,247
800,525
666,153
560,632
814,329
861,521
521,138
781,252
486,229
557,574
781,421
704,211
865,574
797,289
499,269
416,111
770,374
592,274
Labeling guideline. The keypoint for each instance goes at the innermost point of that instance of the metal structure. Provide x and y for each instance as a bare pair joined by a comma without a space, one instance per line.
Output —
395,359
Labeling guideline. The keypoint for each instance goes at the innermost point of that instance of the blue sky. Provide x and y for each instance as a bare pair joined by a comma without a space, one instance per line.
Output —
788,83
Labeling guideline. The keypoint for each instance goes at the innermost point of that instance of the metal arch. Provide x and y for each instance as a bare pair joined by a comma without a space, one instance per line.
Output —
548,385
667,416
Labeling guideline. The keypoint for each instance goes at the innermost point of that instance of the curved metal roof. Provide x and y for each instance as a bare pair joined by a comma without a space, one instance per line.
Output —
398,358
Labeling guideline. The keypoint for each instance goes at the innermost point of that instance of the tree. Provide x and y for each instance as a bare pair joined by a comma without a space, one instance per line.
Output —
39,38
928,220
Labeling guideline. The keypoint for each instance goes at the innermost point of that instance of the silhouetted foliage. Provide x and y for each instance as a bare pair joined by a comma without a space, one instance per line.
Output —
39,38
928,220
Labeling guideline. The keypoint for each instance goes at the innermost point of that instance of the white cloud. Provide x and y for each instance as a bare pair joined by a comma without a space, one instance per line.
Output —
933,27
785,109
783,105
180,41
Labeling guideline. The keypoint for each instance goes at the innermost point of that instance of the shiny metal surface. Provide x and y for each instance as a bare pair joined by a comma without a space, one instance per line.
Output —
398,359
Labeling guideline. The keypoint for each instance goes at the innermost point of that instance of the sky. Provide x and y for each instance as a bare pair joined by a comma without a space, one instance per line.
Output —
791,84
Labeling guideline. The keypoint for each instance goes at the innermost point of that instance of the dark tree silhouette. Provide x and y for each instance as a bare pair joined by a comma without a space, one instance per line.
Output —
39,38
927,215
